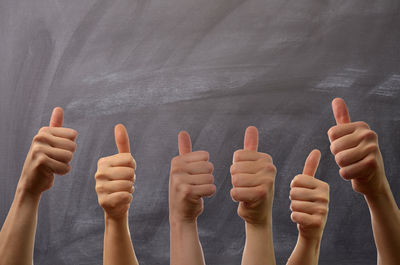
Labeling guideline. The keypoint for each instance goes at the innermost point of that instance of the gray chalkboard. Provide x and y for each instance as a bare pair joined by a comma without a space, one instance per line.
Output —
209,67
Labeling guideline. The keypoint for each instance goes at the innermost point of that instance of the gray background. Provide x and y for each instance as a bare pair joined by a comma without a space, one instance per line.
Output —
209,67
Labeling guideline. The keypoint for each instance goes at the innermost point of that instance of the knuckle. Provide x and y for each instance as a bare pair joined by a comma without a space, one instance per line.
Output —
186,191
101,162
369,135
370,162
233,169
100,187
340,159
44,130
332,133
362,124
235,180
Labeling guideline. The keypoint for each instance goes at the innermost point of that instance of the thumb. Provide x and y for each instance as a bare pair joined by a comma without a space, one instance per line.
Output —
121,139
340,111
57,117
251,139
184,143
312,162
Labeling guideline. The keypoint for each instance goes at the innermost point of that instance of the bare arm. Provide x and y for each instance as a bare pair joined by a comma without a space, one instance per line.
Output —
310,199
191,179
357,153
50,153
114,186
253,177
385,219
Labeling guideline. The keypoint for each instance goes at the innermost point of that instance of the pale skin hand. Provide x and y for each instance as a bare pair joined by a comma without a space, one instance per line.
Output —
309,204
114,186
253,176
50,153
356,150
191,179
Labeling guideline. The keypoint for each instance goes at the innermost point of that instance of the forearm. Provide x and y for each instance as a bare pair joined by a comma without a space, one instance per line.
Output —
18,233
118,248
185,246
385,219
259,247
305,252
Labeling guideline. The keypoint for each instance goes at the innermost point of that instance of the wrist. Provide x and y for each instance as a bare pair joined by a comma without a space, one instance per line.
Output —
112,220
312,243
23,195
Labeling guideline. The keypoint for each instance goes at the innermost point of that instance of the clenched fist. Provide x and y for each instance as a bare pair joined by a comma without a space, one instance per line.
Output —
356,150
310,200
115,177
190,180
253,177
51,152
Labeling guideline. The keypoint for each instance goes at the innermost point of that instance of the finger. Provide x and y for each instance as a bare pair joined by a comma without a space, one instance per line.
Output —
60,155
353,155
250,167
118,160
304,194
184,143
114,186
116,199
251,139
57,117
205,190
248,194
201,167
361,169
344,143
246,155
305,219
60,132
55,166
339,131
312,162
247,180
56,142
195,156
308,207
121,139
340,111
304,181
116,173
194,179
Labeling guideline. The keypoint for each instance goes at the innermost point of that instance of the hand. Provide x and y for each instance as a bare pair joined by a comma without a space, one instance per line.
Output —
356,150
310,200
253,176
50,153
115,177
190,179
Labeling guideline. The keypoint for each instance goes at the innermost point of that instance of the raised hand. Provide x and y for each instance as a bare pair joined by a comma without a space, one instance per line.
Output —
356,150
253,177
191,179
309,200
115,177
51,152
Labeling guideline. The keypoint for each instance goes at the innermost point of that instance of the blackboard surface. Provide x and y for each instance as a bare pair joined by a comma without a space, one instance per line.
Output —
209,67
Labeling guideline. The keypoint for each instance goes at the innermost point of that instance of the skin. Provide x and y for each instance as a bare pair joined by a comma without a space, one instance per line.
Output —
191,179
309,204
115,177
356,150
253,176
50,153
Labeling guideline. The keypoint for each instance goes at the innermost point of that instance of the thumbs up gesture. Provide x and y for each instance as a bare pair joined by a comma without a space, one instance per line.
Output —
309,200
356,150
190,180
253,177
50,153
115,177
